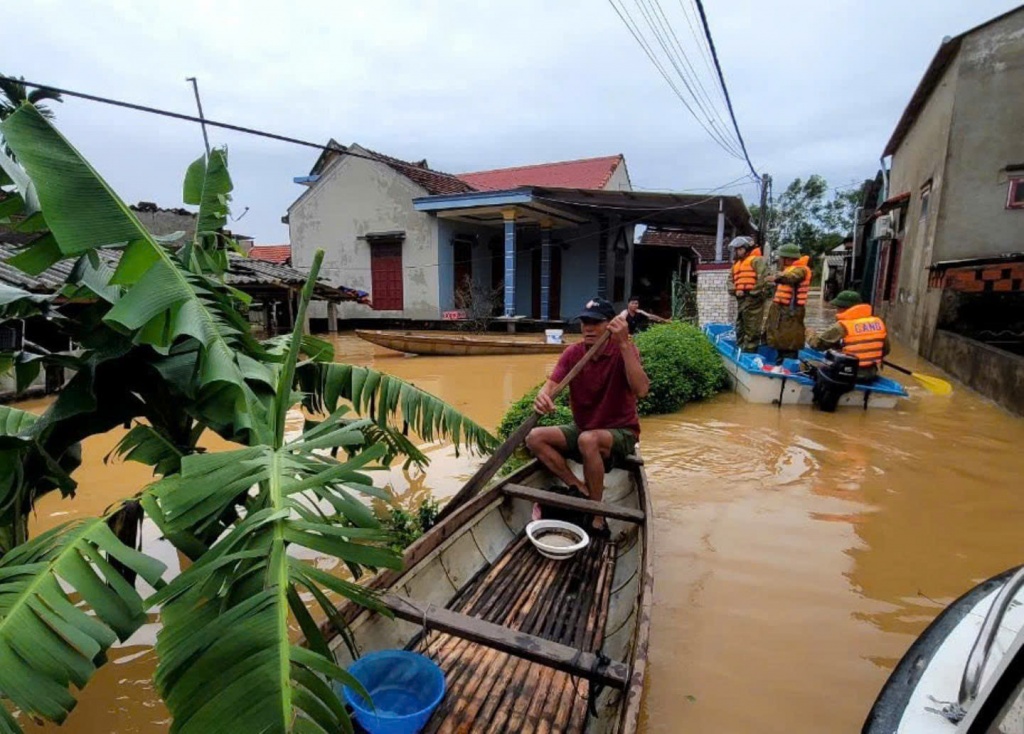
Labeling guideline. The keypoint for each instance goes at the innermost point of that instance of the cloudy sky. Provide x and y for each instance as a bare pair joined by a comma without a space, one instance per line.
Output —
469,85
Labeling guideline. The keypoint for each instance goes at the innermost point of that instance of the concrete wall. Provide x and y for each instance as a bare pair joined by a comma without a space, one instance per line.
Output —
353,197
714,304
994,373
168,221
619,181
987,134
579,267
921,158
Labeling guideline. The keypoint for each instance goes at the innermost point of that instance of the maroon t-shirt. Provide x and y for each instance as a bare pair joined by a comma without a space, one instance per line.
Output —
599,395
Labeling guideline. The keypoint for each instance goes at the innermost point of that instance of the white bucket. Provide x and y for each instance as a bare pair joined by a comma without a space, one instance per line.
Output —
553,336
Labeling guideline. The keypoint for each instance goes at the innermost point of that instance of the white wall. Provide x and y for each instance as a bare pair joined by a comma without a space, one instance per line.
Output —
354,197
619,180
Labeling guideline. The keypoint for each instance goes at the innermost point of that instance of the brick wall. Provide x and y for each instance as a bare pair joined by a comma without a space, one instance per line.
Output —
714,304
1005,277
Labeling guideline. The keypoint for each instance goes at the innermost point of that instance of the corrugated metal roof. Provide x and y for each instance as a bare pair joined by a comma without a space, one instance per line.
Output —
242,272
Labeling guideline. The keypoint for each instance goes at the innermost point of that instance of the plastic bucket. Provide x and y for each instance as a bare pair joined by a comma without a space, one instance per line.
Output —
405,688
553,336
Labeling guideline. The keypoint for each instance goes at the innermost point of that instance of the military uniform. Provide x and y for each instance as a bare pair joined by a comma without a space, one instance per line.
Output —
749,284
785,325
832,338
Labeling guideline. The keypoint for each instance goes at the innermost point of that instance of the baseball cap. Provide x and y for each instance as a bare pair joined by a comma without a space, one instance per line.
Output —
598,309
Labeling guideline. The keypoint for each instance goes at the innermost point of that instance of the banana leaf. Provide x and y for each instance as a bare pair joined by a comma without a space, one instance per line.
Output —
49,641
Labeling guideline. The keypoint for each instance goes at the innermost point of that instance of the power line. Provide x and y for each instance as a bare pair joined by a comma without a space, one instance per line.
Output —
725,89
657,65
694,76
662,37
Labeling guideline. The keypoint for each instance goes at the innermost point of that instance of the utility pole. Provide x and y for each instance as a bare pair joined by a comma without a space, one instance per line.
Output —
762,226
202,120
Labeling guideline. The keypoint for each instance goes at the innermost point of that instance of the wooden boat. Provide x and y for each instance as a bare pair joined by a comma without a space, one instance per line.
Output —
748,372
448,344
964,674
526,643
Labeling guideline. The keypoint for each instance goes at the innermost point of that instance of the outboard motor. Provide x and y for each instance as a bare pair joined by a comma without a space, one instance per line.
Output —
833,378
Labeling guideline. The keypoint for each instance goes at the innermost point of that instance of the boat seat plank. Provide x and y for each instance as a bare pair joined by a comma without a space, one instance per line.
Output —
526,646
553,499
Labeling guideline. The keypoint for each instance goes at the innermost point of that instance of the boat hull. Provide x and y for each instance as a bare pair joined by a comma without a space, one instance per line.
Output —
928,677
468,565
456,345
750,381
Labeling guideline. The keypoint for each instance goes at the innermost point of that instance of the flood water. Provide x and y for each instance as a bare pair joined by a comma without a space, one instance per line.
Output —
797,554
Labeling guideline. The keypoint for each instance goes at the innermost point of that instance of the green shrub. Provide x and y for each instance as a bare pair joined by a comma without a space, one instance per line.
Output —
683,365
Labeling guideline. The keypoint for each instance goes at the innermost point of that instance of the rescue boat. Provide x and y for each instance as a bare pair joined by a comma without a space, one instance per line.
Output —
757,379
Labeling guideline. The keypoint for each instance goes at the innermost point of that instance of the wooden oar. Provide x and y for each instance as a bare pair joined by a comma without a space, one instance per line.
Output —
503,452
935,385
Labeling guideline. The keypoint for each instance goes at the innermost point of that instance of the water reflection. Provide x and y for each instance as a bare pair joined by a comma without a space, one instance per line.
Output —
797,553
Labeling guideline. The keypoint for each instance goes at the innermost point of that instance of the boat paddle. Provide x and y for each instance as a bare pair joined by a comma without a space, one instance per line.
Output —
503,452
934,385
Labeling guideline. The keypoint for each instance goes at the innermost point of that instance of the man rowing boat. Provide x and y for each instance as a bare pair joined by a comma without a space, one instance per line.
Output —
603,398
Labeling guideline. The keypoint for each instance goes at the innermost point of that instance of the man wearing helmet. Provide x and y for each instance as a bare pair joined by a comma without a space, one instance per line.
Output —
749,284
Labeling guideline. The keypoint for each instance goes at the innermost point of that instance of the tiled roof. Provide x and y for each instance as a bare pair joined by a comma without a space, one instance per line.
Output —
280,254
435,182
702,244
588,173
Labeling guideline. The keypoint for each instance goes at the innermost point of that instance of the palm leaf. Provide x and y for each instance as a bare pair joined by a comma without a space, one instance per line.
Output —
47,640
164,303
382,397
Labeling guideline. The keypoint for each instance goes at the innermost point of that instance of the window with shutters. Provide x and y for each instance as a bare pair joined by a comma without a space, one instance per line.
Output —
386,275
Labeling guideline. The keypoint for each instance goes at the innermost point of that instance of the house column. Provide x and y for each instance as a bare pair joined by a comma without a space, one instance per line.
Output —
509,215
545,269
332,317
720,234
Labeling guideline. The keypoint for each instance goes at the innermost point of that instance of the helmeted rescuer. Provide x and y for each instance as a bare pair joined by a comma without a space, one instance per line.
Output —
785,325
748,282
857,332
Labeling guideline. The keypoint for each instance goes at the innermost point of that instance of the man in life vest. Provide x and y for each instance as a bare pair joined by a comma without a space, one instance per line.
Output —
785,324
748,282
857,333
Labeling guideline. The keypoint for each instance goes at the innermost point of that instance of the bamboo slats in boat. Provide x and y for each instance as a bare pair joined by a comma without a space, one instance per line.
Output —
561,601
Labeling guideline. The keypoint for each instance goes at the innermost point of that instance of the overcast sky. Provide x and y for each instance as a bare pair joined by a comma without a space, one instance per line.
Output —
469,85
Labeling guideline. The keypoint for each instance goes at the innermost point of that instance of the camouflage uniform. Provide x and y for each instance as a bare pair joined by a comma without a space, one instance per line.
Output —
750,307
785,324
832,338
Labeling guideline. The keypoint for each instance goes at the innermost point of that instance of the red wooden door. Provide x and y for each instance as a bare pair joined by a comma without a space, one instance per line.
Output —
386,276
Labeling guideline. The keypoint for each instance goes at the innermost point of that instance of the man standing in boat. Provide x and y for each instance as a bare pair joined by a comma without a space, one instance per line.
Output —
637,319
785,325
748,282
857,332
603,398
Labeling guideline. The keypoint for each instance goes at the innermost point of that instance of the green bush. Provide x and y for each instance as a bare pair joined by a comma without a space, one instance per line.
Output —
683,365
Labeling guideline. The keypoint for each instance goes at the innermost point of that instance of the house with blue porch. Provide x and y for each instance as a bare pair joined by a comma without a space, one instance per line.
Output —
531,242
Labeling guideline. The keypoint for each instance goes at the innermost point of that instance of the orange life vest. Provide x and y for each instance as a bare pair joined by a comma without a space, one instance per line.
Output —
744,277
785,294
865,335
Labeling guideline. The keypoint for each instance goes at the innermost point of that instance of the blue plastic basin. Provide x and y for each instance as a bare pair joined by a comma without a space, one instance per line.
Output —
405,688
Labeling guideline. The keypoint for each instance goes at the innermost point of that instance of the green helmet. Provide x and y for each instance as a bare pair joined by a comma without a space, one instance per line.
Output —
789,250
846,299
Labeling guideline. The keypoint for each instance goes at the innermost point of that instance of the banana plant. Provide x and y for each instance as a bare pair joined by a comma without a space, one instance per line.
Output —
164,349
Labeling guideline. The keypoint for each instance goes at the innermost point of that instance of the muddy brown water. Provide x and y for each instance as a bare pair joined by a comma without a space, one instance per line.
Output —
797,554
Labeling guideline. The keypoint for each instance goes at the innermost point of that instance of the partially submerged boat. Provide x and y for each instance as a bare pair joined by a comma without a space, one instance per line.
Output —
526,643
757,380
450,344
965,673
